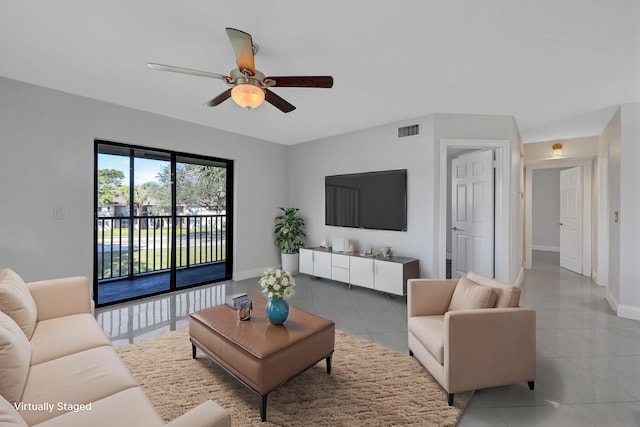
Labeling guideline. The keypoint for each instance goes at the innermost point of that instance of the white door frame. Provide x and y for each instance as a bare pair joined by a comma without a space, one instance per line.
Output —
502,148
586,206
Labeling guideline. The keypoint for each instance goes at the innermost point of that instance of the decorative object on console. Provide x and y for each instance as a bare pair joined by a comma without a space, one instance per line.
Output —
277,285
386,252
368,251
340,244
288,237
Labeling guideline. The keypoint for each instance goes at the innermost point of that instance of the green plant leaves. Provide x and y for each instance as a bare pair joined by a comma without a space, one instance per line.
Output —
288,230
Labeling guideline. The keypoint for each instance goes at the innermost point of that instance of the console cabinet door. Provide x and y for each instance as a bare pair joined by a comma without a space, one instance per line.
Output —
306,261
322,264
388,277
361,272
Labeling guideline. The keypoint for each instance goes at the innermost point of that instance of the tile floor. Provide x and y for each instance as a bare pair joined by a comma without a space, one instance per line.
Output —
588,359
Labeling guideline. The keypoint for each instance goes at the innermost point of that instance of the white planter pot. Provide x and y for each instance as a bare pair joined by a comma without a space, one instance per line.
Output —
290,262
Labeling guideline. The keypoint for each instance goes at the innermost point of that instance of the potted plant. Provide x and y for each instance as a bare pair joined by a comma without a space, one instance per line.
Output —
288,237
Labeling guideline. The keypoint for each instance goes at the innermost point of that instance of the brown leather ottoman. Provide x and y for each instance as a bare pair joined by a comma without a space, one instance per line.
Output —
261,355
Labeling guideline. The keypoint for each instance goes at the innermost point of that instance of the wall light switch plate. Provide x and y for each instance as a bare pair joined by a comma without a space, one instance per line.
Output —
58,213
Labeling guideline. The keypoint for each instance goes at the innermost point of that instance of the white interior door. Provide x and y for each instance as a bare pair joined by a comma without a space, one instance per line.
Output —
571,219
472,214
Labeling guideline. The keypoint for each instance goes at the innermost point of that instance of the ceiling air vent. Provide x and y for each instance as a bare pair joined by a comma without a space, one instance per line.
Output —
410,130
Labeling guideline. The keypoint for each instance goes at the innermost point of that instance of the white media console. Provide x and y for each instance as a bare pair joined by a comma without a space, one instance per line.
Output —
387,275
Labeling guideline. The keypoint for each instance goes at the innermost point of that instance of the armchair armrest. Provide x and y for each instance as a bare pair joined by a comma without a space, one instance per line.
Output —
207,414
429,297
489,347
61,297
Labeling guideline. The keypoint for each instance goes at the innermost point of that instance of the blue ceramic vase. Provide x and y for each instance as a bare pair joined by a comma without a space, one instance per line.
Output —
277,310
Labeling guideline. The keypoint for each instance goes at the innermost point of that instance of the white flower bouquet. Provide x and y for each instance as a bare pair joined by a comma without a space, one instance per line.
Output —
277,284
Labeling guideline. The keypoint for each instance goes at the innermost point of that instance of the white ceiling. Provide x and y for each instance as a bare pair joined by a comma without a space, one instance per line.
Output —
560,67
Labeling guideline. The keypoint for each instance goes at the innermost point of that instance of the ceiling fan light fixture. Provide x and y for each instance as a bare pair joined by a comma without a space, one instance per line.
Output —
247,95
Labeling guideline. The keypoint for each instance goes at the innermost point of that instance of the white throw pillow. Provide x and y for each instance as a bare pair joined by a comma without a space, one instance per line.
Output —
15,358
16,301
469,295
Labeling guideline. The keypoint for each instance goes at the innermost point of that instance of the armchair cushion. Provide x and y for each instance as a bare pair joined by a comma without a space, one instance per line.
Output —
506,295
431,330
16,301
469,295
15,355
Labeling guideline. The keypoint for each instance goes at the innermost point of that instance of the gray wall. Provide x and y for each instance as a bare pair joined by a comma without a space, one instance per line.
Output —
46,162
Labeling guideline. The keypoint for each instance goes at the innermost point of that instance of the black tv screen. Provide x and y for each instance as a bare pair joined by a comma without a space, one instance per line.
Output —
373,200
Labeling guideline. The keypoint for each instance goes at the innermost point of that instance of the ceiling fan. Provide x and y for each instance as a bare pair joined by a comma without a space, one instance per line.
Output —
248,86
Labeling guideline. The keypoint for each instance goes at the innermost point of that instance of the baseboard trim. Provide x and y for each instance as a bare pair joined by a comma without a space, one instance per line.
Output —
248,274
629,312
613,303
545,248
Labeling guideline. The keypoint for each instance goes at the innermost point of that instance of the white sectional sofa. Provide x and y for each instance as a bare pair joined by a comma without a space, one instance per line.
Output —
57,367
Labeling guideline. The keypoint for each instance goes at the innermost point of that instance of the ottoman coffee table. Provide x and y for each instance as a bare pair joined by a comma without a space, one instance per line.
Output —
260,355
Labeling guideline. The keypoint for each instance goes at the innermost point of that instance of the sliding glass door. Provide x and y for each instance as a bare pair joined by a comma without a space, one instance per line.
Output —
162,221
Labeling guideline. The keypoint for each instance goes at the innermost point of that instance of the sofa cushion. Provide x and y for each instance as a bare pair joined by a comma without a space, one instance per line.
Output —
469,295
430,331
79,378
506,295
129,407
9,417
15,354
66,335
17,302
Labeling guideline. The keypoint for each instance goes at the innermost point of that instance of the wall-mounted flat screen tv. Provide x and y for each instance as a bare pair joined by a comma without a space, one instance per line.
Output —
373,200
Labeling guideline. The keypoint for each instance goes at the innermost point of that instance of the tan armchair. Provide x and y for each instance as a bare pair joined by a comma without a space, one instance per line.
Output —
471,334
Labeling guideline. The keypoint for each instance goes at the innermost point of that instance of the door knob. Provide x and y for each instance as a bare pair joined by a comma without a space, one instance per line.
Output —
559,223
454,228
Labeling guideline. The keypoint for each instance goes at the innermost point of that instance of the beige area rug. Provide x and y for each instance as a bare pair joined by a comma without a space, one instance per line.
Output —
368,385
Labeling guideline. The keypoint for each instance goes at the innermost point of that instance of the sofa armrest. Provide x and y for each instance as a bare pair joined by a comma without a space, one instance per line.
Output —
429,297
489,347
207,414
61,297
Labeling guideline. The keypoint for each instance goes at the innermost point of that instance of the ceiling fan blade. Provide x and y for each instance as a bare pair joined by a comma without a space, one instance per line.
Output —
278,102
181,70
243,49
220,98
302,81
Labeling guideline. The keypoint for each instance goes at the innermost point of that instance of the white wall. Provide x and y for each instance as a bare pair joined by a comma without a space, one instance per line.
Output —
610,141
629,211
546,210
620,144
46,161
